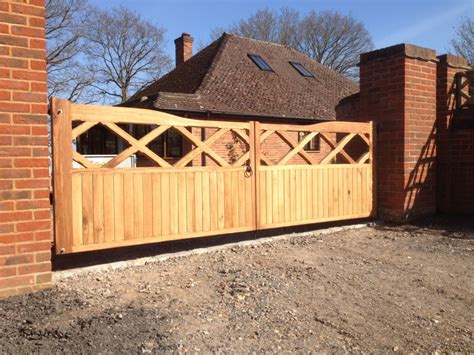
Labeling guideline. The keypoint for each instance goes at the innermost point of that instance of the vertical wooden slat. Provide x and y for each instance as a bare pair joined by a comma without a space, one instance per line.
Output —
268,196
228,199
109,210
235,198
316,196
309,189
220,201
213,200
138,205
119,214
345,177
190,202
98,197
182,203
173,203
350,192
62,181
77,209
147,205
304,195
165,204
263,198
366,197
275,195
293,195
330,200
321,194
198,200
249,202
299,212
287,195
87,209
128,196
156,202
241,186
281,196
206,208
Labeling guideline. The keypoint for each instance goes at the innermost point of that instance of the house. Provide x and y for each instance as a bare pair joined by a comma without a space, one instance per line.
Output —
236,78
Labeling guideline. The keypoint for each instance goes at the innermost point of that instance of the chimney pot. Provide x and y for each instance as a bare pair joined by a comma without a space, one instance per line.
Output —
184,48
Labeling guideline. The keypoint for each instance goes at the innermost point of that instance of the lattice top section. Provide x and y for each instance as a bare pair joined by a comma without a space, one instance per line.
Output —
339,142
217,134
211,143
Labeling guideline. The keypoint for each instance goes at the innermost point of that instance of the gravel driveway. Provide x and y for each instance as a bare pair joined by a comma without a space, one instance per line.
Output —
380,289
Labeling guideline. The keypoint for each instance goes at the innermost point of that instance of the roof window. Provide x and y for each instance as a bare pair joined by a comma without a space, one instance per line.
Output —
260,62
302,70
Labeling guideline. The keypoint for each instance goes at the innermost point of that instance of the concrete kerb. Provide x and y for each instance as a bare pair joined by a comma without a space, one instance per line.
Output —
120,265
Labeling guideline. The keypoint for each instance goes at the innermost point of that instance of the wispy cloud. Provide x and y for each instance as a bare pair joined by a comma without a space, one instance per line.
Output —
433,23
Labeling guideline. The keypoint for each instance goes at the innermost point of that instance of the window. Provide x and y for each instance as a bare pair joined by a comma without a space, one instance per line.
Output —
302,70
260,62
168,145
313,145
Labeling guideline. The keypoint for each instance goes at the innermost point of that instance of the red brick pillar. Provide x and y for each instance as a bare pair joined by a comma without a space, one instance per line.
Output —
25,226
455,188
398,92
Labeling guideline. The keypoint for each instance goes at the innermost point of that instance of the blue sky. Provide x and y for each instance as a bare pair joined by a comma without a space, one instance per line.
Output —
421,22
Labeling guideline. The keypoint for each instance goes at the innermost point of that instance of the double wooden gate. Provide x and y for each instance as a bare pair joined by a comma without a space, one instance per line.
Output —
231,177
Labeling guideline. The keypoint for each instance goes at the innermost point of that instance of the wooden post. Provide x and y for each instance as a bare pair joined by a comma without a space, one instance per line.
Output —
62,166
254,139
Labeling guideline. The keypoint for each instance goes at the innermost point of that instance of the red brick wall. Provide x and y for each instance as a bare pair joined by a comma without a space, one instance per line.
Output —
25,226
455,189
398,92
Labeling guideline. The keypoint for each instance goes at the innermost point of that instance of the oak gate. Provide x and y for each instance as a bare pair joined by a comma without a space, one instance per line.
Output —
231,177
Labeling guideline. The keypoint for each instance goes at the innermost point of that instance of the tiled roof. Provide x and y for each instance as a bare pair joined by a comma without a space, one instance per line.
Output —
222,78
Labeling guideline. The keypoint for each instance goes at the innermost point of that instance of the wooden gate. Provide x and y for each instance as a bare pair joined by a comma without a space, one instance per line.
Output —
332,183
224,181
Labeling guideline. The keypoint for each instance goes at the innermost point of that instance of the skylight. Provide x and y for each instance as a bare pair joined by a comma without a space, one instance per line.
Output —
260,62
302,70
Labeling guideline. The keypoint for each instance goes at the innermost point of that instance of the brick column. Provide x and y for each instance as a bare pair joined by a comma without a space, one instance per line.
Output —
398,92
25,226
455,188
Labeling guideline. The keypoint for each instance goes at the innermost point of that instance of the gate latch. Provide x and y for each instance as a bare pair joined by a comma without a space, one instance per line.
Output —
248,170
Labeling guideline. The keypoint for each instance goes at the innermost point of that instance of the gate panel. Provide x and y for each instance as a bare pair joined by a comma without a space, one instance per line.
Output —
203,192
296,186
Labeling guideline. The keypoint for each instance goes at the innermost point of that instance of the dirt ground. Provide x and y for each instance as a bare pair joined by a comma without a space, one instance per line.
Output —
375,289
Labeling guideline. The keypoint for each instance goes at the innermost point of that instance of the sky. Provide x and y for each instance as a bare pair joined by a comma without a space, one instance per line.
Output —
420,22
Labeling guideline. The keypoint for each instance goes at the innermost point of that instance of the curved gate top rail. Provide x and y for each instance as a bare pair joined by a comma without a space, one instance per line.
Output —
232,176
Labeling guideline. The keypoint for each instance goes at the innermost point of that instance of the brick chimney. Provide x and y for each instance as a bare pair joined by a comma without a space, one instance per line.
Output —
184,48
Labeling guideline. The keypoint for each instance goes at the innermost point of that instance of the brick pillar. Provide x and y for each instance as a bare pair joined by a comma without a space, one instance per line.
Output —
455,188
398,92
25,226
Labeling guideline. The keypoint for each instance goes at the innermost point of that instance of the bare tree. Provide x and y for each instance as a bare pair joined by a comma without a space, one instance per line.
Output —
265,25
64,46
124,52
328,37
334,40
463,42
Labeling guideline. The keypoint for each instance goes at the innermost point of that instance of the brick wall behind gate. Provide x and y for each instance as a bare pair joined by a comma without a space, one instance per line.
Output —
455,189
25,226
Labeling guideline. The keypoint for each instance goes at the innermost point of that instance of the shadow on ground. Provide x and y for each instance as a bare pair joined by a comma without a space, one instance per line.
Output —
448,226
77,260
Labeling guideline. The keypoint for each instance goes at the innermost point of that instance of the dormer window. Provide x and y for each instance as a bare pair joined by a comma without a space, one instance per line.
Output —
302,70
260,62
